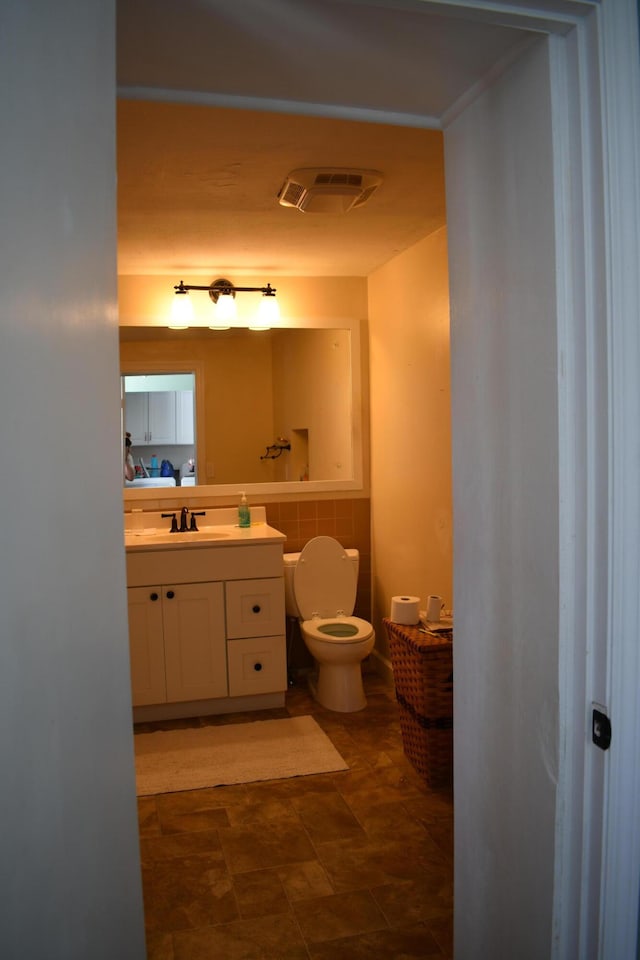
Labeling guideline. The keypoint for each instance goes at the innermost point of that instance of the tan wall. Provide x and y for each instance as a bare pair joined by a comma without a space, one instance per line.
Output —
411,503
312,390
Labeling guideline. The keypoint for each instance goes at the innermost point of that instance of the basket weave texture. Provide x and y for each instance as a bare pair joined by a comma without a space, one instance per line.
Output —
423,676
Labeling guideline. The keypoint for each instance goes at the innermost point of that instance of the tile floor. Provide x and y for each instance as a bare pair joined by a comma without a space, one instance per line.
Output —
339,865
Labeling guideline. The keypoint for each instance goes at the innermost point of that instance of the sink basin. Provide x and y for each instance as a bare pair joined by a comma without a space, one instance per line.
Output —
194,535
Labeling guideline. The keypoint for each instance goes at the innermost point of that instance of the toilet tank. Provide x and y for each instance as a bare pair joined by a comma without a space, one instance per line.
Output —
290,562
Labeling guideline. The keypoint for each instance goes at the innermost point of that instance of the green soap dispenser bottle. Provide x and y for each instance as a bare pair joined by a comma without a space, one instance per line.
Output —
244,513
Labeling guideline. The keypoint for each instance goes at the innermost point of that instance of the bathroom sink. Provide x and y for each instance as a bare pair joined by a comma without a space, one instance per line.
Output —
216,526
196,535
165,537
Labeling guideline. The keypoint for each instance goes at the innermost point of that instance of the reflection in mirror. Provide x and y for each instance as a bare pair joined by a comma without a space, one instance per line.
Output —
272,407
158,412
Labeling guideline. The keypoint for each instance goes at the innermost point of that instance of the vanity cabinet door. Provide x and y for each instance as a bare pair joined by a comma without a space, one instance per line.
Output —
146,646
194,641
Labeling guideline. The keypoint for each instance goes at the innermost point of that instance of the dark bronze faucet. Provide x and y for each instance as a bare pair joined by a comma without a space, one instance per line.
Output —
174,522
184,527
195,513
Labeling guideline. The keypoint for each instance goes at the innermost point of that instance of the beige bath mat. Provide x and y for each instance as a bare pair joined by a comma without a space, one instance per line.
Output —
171,760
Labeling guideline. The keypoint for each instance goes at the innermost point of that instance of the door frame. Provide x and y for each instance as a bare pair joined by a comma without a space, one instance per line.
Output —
595,89
619,57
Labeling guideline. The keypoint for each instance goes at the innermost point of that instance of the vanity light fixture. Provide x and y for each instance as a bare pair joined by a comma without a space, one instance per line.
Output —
181,313
223,293
268,313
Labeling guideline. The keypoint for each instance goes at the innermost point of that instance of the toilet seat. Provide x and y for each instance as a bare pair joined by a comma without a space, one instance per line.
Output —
348,629
325,582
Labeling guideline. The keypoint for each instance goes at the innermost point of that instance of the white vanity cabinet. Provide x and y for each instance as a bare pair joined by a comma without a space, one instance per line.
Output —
206,628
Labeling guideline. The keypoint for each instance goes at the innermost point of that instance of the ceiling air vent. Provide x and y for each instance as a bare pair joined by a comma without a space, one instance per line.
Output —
328,189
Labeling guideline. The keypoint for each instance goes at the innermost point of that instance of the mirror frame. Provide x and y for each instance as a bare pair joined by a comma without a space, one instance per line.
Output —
277,488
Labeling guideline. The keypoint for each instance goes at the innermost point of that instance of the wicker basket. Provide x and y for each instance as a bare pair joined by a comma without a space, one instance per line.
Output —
423,674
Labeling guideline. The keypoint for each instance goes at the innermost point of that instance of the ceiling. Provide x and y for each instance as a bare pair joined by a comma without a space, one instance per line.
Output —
220,100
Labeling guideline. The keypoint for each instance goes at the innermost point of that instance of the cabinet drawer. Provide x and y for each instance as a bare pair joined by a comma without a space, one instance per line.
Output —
256,665
255,608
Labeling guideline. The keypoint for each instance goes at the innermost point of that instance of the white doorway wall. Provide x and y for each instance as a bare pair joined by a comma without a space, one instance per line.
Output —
500,208
70,883
545,397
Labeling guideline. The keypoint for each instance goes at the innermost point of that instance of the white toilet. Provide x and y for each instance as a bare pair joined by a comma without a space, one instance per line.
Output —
320,590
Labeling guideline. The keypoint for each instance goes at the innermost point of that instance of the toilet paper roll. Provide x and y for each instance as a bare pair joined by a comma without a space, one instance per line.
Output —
405,610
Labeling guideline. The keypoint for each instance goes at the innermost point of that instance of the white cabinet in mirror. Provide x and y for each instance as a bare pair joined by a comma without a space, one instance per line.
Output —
298,388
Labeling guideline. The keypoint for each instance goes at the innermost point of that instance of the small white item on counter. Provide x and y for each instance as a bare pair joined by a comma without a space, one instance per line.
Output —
435,606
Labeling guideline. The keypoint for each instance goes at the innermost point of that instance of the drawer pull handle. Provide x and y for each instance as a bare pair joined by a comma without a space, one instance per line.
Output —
170,594
256,608
257,667
153,596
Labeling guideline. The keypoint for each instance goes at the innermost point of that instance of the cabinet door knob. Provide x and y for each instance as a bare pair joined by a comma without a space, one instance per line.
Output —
257,667
170,594
153,596
256,608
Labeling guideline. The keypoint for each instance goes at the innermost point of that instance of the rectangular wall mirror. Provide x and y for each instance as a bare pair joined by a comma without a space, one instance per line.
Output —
271,411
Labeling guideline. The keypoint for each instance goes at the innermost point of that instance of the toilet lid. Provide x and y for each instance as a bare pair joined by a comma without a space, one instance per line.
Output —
324,580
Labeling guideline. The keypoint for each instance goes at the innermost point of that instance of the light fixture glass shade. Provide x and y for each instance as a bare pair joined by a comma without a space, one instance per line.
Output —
181,312
268,313
225,309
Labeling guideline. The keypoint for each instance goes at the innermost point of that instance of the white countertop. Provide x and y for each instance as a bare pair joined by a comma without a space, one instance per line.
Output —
218,528
219,536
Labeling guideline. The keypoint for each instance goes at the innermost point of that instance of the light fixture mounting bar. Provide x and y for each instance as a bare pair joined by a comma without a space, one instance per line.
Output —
219,287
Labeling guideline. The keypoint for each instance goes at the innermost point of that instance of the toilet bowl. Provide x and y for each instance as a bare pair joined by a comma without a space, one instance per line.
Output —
320,591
